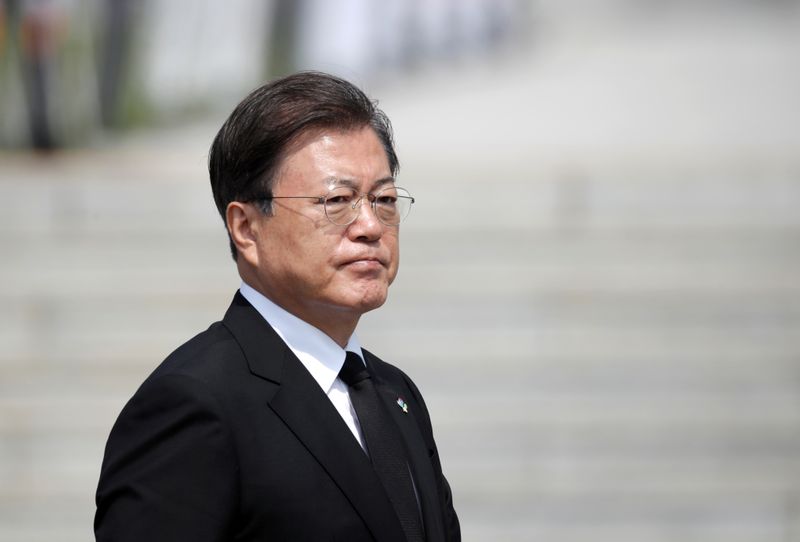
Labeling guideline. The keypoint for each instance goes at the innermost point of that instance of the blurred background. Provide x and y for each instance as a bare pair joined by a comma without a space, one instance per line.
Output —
600,288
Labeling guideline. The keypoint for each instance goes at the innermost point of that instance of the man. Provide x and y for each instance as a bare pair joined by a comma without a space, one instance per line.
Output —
274,424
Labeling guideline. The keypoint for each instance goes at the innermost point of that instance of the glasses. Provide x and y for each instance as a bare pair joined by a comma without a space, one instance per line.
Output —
342,204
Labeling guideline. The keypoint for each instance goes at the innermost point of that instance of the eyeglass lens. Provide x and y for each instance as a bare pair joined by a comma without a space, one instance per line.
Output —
391,205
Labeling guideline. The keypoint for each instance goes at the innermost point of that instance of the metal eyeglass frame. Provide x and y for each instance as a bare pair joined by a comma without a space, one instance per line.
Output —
372,198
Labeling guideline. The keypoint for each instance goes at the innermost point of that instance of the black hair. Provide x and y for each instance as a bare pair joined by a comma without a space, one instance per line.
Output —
249,148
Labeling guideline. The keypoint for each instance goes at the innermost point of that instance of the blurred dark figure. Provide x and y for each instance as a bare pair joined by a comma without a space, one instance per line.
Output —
116,40
37,26
73,61
281,49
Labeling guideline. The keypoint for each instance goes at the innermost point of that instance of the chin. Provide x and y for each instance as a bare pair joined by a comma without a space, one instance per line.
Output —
359,297
372,306
371,300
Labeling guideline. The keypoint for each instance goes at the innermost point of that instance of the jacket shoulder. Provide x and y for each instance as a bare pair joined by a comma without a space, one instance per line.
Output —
206,356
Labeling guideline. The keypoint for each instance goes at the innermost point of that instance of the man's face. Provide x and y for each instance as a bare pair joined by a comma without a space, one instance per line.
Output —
309,266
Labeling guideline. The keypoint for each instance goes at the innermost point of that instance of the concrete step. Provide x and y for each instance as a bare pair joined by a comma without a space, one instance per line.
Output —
93,262
601,201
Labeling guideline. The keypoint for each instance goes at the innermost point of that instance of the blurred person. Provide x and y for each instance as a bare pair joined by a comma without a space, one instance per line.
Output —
274,424
41,30
118,26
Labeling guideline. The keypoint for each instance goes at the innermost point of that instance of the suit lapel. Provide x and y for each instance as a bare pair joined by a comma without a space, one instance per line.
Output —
309,414
419,455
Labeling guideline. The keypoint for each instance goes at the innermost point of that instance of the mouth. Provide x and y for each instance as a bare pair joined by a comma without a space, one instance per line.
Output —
367,262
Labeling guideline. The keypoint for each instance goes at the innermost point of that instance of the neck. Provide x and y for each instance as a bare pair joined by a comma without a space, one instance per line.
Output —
337,323
337,328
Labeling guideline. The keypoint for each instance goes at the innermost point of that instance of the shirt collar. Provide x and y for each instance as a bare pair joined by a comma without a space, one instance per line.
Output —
320,354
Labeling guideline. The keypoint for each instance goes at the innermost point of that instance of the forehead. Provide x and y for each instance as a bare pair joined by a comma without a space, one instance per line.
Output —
354,157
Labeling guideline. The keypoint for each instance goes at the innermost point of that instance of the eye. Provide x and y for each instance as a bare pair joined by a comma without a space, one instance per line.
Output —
386,199
340,197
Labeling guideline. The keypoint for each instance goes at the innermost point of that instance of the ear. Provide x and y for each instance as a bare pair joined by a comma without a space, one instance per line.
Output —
242,221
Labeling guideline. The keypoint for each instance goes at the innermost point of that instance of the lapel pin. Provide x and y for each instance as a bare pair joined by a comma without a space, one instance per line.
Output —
402,404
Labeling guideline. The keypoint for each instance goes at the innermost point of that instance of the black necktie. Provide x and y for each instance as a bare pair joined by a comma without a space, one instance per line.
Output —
384,444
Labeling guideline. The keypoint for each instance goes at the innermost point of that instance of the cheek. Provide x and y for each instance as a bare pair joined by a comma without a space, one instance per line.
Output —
394,250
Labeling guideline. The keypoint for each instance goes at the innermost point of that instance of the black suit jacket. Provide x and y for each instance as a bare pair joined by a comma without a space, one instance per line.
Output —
231,439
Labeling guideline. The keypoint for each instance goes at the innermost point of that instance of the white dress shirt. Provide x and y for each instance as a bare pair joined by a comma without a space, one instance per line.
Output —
320,355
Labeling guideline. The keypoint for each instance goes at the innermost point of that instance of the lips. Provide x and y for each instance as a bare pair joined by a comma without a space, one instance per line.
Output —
365,260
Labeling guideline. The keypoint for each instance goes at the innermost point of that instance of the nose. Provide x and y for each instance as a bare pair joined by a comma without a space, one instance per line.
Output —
366,225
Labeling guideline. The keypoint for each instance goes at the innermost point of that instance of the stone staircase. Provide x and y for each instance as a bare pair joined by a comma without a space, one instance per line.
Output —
626,380
607,330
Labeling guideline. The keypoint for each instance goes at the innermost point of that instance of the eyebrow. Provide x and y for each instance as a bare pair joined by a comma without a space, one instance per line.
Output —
334,181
